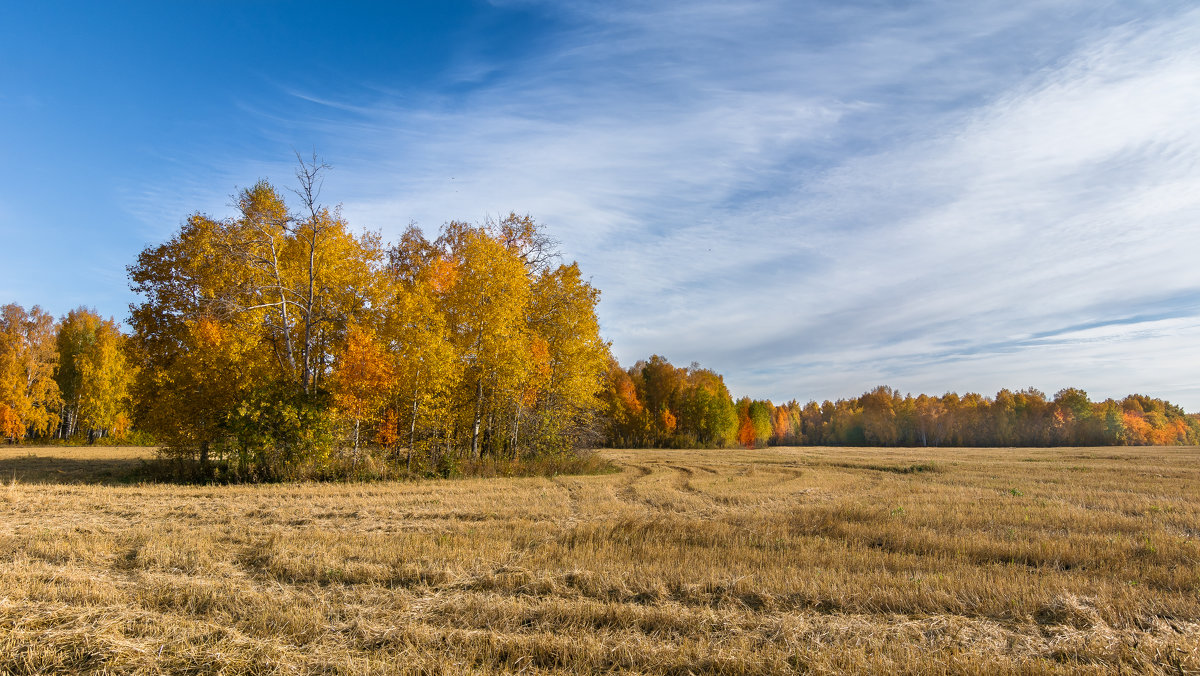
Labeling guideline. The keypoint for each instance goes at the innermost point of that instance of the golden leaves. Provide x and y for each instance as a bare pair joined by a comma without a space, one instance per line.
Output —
10,422
209,333
28,357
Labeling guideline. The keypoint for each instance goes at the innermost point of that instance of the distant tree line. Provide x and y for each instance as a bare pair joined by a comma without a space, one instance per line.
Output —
656,404
415,388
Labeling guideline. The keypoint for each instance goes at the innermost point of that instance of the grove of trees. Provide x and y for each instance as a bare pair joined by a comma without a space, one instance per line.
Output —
280,343
655,404
63,379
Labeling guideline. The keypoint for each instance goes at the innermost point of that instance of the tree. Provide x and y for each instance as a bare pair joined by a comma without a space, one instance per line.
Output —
485,307
239,321
566,360
745,434
659,385
879,416
76,335
302,278
195,358
706,411
417,334
785,424
93,374
622,409
754,422
29,397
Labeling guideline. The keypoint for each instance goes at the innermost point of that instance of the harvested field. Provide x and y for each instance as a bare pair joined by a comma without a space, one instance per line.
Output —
1071,560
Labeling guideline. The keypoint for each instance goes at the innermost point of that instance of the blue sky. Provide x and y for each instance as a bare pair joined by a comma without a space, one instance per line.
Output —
812,198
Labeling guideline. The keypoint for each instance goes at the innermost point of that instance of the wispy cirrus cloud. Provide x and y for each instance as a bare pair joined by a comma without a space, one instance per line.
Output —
1069,199
817,200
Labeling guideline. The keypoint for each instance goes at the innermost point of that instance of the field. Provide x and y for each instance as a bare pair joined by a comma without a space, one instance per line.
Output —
781,560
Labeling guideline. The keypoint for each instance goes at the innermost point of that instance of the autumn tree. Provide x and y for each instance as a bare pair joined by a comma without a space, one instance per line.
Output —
300,277
485,308
786,425
528,358
566,361
29,397
879,416
623,411
418,337
75,337
759,413
93,375
705,409
238,324
659,384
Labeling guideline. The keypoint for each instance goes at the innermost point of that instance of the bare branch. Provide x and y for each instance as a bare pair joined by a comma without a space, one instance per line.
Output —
311,178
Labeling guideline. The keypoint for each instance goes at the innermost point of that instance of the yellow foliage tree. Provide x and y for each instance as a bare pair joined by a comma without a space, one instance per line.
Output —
262,300
485,310
29,397
93,374
417,332
570,358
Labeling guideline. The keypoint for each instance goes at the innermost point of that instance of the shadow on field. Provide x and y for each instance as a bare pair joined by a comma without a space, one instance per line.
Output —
57,465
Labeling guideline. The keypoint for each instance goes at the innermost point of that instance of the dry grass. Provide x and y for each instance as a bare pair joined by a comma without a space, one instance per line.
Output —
823,560
72,464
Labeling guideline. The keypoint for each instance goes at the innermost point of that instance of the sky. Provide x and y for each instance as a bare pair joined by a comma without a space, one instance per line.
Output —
810,197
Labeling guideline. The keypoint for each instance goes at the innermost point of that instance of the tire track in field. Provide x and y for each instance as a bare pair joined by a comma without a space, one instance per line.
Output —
652,488
627,492
574,502
684,482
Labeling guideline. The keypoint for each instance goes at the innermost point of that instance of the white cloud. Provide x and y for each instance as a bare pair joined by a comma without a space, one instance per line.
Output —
814,202
1071,199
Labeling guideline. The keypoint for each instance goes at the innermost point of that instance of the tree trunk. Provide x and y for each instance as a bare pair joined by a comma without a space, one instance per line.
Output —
517,427
354,460
310,302
412,435
478,413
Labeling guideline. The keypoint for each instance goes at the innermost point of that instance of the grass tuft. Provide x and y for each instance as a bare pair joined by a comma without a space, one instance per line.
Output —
914,468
